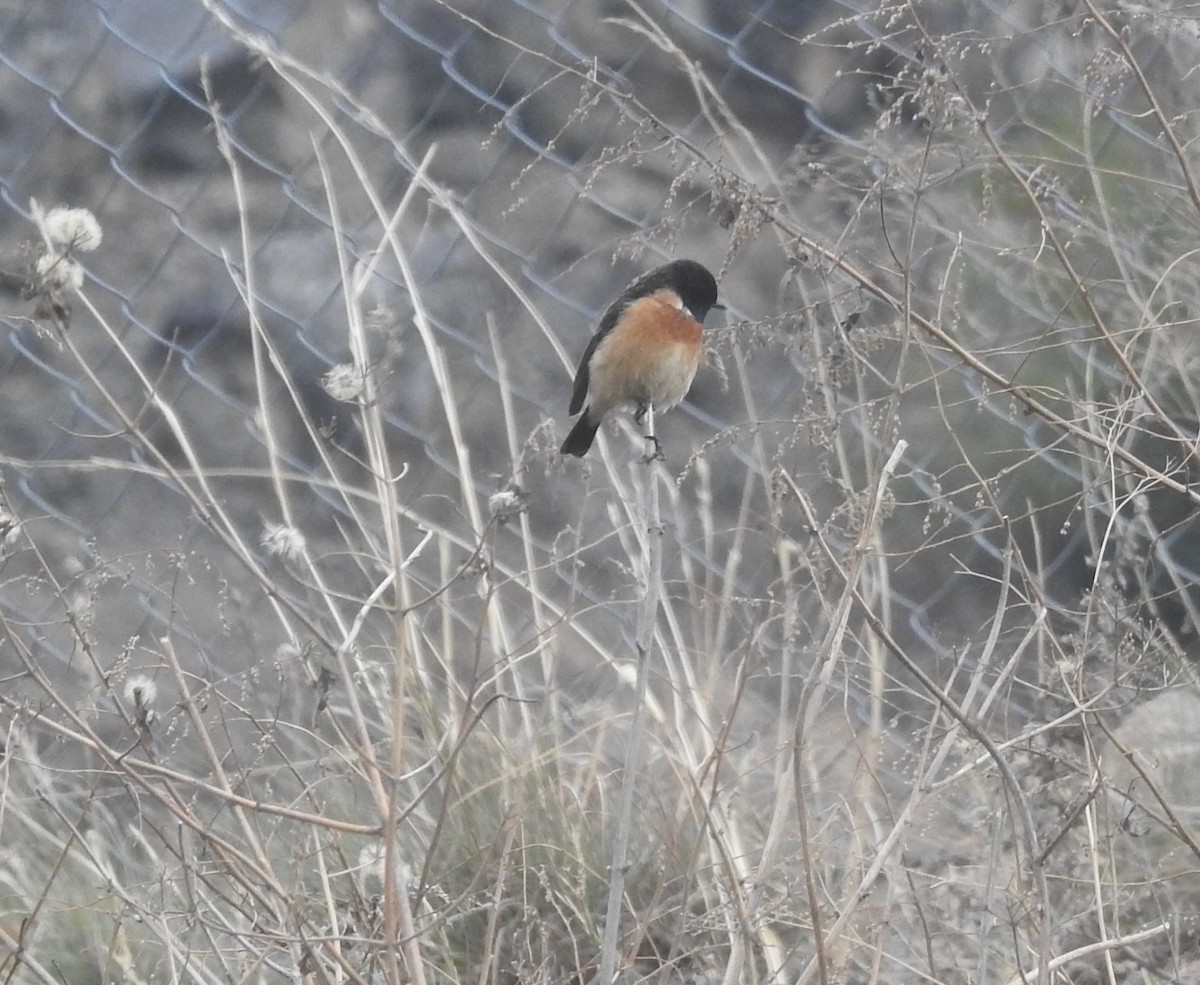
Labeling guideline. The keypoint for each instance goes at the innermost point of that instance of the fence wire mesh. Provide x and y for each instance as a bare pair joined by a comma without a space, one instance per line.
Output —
292,560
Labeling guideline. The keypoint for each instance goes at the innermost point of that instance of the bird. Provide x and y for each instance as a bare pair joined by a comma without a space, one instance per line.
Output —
646,350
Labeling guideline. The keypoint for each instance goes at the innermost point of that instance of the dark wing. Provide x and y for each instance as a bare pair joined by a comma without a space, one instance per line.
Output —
583,374
579,394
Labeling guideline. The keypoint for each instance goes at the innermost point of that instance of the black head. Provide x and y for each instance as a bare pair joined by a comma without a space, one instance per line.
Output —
696,287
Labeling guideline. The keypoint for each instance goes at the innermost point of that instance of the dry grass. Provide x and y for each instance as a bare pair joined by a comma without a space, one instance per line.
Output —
321,663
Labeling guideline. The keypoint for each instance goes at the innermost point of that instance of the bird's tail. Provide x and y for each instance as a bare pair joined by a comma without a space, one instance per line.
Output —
581,437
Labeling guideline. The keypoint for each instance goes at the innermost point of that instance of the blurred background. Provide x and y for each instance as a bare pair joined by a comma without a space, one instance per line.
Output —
962,229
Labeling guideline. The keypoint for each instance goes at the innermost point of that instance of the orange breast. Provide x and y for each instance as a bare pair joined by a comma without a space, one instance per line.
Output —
650,356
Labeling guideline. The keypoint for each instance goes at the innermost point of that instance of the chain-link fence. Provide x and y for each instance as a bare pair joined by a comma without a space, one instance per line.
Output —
317,654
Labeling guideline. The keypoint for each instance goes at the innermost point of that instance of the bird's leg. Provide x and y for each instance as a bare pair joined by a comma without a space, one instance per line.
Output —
641,410
645,412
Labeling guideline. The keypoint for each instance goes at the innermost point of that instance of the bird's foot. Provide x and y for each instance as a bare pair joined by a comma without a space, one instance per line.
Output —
655,455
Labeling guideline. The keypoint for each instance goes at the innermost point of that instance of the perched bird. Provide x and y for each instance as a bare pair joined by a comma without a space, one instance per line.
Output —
646,350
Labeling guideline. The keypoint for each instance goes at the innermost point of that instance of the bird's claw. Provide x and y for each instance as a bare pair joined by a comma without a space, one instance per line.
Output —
653,456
